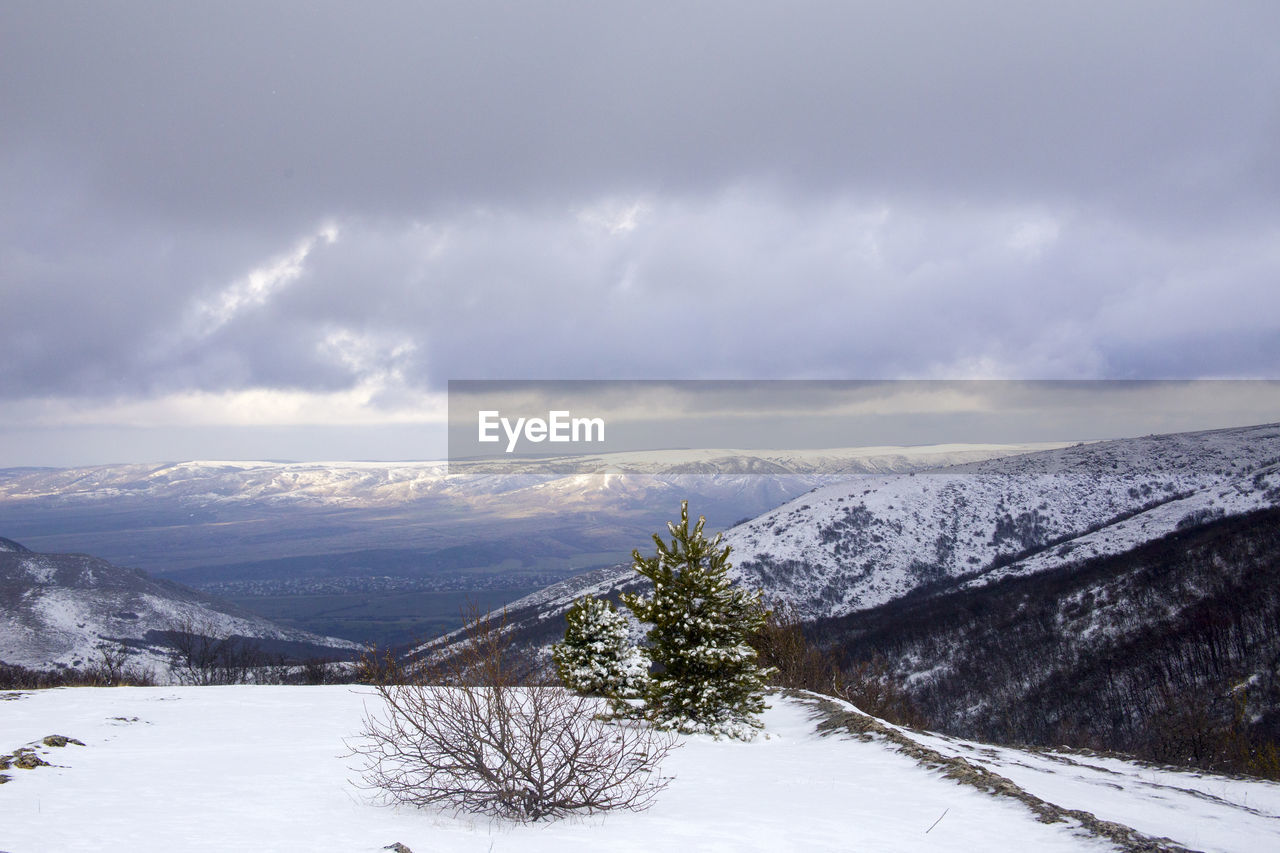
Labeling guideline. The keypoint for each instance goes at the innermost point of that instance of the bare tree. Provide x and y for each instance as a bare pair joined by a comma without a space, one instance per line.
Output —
870,685
783,647
200,656
464,735
112,667
193,650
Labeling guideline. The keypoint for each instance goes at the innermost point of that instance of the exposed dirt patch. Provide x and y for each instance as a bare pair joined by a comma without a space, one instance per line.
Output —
27,757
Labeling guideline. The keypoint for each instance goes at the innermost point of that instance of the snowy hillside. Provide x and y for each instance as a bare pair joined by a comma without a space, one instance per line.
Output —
60,609
858,545
875,538
233,770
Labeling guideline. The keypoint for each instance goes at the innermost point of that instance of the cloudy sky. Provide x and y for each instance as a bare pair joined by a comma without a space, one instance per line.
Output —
277,230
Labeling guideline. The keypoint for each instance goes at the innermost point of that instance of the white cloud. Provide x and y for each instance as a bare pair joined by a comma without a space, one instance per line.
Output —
371,357
257,286
1032,236
355,406
614,217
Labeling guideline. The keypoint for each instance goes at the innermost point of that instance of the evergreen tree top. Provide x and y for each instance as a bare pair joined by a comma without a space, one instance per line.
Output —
688,549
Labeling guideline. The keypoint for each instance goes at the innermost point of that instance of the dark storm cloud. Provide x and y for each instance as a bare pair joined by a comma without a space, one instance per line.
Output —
321,197
282,109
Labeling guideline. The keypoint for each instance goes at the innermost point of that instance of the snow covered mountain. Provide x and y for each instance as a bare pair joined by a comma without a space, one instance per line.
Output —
876,538
1168,651
62,609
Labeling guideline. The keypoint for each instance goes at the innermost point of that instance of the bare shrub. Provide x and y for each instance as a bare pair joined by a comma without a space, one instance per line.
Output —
108,674
464,735
782,646
870,685
873,688
112,668
199,656
316,670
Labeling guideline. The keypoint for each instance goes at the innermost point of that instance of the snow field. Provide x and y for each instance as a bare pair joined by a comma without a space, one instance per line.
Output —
263,769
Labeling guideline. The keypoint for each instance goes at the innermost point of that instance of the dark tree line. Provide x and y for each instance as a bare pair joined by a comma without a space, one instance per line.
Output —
200,654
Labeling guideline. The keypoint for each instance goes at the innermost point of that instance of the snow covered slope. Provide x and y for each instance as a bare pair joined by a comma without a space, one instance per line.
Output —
874,538
860,544
61,608
233,770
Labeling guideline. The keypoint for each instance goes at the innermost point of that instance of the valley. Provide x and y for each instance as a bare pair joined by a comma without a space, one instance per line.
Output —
337,547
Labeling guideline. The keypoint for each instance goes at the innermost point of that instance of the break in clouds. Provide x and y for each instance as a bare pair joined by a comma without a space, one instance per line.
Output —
319,213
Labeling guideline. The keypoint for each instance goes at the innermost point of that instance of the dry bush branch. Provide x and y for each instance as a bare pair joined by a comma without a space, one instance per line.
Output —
464,736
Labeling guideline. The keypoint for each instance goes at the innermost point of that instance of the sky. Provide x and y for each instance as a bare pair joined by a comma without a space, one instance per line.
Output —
246,230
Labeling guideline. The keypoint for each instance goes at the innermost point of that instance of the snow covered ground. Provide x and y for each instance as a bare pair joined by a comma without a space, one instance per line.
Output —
1229,813
263,768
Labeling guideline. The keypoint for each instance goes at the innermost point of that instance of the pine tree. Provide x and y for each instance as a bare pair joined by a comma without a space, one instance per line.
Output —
707,678
597,656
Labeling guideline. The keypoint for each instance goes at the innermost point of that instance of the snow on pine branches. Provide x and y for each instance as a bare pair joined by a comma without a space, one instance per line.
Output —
597,656
706,676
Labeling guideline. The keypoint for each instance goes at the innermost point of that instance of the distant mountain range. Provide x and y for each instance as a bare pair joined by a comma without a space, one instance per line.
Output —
391,551
392,483
189,520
